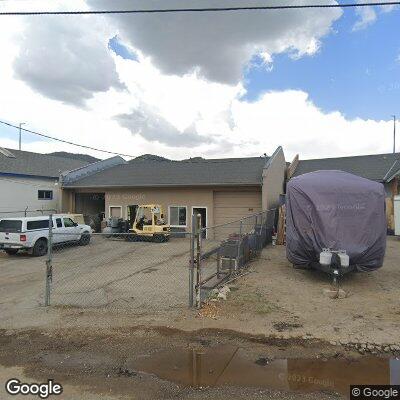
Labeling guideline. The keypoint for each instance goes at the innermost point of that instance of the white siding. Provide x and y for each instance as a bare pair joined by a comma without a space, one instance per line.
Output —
17,193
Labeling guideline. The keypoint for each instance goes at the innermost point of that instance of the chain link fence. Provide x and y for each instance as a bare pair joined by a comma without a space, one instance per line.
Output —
110,271
221,252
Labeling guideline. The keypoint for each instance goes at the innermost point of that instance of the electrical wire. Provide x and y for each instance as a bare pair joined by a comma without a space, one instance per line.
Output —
65,141
209,9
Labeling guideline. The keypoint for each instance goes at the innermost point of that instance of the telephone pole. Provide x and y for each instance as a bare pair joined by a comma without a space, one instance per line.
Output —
20,124
394,133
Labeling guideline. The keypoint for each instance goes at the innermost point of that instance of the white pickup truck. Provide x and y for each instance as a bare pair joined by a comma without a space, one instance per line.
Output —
32,233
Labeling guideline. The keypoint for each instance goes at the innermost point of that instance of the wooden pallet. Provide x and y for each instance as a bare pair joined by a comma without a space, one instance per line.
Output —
281,234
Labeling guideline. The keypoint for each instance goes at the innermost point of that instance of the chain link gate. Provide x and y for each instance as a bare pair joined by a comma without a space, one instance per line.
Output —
223,251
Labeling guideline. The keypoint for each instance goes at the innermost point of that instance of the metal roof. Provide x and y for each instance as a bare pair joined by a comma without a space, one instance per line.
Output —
376,167
36,164
203,172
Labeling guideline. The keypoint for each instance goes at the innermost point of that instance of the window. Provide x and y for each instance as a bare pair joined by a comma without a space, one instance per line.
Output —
59,223
115,212
45,194
39,224
68,223
10,225
177,215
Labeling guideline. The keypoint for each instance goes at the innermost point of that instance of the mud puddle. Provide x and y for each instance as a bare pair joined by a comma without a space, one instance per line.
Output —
234,366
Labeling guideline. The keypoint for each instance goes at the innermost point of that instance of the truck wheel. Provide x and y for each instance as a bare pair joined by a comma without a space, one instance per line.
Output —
12,252
84,240
40,248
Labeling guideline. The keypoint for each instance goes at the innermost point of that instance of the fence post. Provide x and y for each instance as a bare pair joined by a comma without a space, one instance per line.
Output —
198,260
238,245
192,262
49,263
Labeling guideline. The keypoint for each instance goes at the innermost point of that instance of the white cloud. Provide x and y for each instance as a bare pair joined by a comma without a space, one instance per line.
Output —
218,45
175,115
66,59
368,15
290,119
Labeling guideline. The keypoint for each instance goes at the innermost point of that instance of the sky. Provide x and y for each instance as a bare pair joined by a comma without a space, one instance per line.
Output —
319,82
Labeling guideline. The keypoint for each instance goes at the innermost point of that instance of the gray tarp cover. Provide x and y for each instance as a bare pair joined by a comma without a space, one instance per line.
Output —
336,210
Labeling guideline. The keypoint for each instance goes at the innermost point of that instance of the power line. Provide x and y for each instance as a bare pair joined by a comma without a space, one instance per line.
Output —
65,141
209,9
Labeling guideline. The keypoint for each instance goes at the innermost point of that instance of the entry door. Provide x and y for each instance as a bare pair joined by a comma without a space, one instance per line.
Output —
203,212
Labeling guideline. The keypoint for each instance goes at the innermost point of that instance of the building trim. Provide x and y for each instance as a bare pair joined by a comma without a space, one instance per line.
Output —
52,178
167,185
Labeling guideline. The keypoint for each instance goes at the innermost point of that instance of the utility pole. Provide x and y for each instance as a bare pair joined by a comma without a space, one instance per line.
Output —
20,124
394,134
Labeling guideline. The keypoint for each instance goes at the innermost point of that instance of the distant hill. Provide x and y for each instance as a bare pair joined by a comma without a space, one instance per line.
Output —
194,159
150,157
74,156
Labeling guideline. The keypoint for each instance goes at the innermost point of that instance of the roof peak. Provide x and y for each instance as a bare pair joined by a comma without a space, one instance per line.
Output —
16,151
357,156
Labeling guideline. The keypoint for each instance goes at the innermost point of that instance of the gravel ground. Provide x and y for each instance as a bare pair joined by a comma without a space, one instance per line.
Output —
274,312
109,274
278,299
273,299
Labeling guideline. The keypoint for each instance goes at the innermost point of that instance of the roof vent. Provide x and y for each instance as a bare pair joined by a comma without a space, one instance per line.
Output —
6,153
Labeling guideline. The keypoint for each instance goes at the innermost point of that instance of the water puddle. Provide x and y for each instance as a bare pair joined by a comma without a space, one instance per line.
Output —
227,365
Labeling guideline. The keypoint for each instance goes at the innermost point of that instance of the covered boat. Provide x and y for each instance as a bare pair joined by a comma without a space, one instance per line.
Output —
335,221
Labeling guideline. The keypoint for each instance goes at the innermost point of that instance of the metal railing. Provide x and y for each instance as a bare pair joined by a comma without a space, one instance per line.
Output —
220,252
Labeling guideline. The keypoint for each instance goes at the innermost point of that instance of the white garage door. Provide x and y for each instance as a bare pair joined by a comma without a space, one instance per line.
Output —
231,206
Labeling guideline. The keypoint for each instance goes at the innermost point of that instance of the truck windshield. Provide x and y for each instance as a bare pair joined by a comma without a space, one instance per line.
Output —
8,225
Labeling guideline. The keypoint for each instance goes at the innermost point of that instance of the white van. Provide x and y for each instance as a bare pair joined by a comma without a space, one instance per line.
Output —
32,233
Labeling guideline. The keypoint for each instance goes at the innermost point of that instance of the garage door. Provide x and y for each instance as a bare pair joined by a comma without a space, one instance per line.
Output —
231,206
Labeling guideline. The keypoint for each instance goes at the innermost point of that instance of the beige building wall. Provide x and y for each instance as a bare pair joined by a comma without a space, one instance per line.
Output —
233,205
188,197
223,204
273,180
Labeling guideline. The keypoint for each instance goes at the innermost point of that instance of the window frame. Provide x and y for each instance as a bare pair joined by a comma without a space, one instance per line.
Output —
44,191
169,216
28,229
120,207
73,222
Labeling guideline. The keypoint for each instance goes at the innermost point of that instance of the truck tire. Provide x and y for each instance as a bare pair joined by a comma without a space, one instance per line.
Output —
11,252
85,239
40,248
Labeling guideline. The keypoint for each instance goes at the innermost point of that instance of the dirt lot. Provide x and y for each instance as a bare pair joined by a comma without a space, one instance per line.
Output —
149,282
274,312
108,274
275,298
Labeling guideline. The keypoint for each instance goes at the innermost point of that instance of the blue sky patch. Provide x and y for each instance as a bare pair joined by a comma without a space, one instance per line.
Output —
120,49
7,132
354,72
